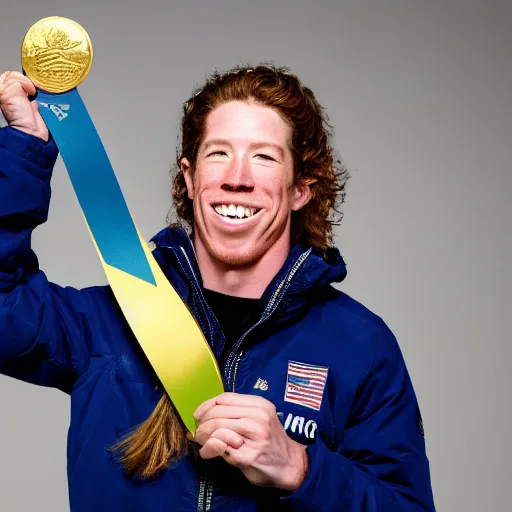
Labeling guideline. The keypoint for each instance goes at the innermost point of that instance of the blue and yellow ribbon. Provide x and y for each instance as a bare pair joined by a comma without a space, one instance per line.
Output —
167,332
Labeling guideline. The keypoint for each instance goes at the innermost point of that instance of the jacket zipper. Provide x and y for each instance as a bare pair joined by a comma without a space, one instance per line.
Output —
205,497
272,305
233,368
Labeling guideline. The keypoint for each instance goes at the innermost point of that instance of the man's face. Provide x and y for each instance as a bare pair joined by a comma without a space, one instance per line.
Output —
242,184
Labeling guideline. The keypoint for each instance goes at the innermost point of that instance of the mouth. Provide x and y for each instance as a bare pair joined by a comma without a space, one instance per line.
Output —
234,211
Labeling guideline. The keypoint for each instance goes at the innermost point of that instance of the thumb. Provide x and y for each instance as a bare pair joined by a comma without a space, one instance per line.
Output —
40,124
35,107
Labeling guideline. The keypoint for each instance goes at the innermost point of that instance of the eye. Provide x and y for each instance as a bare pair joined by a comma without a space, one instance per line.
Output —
265,157
216,153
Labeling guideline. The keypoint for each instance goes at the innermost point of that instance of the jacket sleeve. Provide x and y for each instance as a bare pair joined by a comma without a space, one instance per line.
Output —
379,464
42,325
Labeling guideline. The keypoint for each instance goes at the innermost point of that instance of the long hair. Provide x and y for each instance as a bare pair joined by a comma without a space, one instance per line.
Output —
161,439
314,161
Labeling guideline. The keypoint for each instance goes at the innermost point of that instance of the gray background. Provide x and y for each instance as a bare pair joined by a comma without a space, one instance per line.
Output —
419,93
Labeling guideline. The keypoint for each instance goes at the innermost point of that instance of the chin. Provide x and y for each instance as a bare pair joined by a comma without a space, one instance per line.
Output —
237,257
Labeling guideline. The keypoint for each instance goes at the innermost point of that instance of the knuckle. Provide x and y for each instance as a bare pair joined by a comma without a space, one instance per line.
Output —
210,426
266,405
201,432
198,435
218,434
246,424
265,435
267,417
209,445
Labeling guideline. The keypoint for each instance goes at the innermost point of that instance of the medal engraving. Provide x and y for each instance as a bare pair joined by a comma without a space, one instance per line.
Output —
56,54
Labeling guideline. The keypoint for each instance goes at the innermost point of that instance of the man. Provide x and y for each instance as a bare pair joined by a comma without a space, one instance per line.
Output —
319,412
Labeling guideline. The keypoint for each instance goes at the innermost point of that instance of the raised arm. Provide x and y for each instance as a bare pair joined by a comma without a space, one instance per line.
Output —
41,324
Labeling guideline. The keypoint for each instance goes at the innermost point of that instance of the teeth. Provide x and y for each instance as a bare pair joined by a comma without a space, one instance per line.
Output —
234,211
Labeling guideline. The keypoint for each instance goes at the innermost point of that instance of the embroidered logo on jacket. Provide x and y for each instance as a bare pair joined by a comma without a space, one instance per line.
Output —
261,384
305,384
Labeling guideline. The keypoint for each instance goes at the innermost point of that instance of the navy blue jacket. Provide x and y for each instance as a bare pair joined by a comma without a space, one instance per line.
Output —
365,441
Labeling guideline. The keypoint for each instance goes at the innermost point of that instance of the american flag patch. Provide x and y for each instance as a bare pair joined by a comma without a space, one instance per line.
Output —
305,384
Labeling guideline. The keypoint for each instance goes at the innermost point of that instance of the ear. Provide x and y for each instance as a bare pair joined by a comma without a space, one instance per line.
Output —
186,169
302,194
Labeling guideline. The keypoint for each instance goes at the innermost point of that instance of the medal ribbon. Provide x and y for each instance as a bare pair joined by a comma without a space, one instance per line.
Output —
167,332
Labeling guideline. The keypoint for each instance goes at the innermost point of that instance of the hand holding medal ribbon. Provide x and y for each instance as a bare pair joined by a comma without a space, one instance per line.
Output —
57,55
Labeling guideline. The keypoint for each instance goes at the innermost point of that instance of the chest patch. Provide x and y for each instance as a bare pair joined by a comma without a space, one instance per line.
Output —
305,384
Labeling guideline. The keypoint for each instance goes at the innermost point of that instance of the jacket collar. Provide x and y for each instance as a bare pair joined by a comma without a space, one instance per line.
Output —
317,270
287,297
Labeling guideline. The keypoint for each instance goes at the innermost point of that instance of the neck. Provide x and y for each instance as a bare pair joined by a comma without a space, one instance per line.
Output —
245,281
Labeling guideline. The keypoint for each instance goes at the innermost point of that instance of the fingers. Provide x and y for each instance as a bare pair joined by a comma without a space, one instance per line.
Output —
16,107
9,78
35,107
244,400
227,422
205,406
220,442
234,412
213,448
234,399
249,416
226,435
242,458
244,427
40,124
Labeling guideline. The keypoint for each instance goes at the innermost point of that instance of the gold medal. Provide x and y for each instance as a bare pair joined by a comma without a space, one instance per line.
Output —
56,54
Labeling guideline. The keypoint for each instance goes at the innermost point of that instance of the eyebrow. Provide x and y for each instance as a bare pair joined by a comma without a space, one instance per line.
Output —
254,145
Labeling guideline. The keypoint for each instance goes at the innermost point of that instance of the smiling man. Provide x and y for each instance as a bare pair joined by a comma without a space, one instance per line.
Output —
319,413
243,191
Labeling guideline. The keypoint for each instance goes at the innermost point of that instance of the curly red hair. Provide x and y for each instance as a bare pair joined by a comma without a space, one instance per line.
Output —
276,88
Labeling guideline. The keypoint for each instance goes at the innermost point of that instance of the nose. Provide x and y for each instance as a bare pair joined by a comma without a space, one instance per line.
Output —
238,177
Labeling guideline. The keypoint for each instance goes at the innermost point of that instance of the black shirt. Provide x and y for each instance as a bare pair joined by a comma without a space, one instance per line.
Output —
235,314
